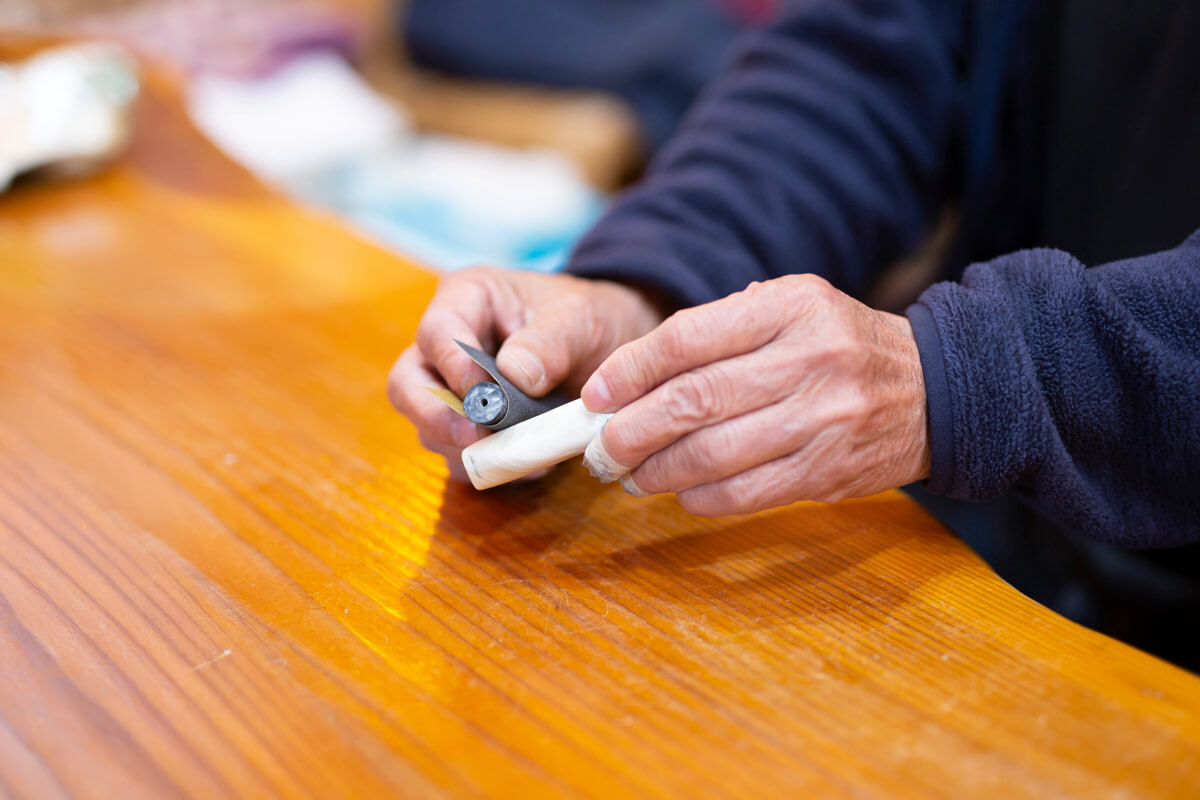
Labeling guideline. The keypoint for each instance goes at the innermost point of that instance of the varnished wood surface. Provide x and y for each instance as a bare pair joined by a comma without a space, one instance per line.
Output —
227,568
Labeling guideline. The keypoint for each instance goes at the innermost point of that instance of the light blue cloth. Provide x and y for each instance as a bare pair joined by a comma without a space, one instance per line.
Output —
451,204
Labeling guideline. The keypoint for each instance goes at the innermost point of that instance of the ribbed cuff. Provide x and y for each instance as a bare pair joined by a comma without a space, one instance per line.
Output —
937,393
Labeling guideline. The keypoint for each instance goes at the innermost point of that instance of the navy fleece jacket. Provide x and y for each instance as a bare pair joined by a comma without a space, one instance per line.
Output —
829,145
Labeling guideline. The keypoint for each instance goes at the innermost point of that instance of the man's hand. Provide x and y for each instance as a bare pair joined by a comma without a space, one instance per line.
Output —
789,390
555,329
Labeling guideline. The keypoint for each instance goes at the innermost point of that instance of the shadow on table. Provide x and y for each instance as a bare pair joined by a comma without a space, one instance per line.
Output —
806,560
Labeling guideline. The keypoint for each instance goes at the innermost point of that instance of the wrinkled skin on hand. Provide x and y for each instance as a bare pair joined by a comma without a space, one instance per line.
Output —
789,390
555,330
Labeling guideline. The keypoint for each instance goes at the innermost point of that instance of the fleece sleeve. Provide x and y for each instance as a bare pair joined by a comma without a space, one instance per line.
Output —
823,149
1076,388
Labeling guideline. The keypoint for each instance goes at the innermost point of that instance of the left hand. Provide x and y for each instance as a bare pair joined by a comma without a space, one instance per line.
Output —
789,390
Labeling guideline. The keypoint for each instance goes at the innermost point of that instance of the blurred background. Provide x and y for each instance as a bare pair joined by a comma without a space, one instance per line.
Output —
457,132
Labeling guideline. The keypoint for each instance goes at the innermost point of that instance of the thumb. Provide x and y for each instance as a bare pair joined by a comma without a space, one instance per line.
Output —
554,343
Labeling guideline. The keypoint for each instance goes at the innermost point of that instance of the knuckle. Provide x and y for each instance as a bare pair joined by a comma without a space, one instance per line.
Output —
735,499
692,457
535,339
834,495
697,503
678,333
429,423
757,290
749,492
632,365
719,441
431,328
653,475
476,273
771,308
434,445
574,304
395,393
767,299
741,507
698,396
588,326
740,500
827,490
623,440
808,284
673,469
399,378
809,292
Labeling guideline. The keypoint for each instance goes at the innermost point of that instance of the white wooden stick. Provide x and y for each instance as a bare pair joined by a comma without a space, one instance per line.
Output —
537,443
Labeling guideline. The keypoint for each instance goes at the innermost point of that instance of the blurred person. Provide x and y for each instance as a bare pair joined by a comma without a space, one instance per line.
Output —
655,55
1057,361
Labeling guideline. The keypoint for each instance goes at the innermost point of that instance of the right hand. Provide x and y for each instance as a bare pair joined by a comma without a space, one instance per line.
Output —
553,331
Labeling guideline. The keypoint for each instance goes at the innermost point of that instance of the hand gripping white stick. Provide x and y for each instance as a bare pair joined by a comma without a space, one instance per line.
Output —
532,445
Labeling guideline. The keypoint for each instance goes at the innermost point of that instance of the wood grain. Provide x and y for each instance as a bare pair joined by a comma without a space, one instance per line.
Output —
228,569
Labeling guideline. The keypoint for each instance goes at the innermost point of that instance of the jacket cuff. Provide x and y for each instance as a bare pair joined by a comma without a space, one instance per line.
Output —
676,287
681,270
937,393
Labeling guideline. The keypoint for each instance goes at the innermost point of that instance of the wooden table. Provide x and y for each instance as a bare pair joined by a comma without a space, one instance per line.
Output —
228,569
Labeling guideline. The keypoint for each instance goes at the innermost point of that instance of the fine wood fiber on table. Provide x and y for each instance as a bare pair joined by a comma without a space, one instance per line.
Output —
197,458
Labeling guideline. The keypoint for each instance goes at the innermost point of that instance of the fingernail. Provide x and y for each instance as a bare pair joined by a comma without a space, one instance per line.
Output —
527,364
602,466
463,432
596,395
631,488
